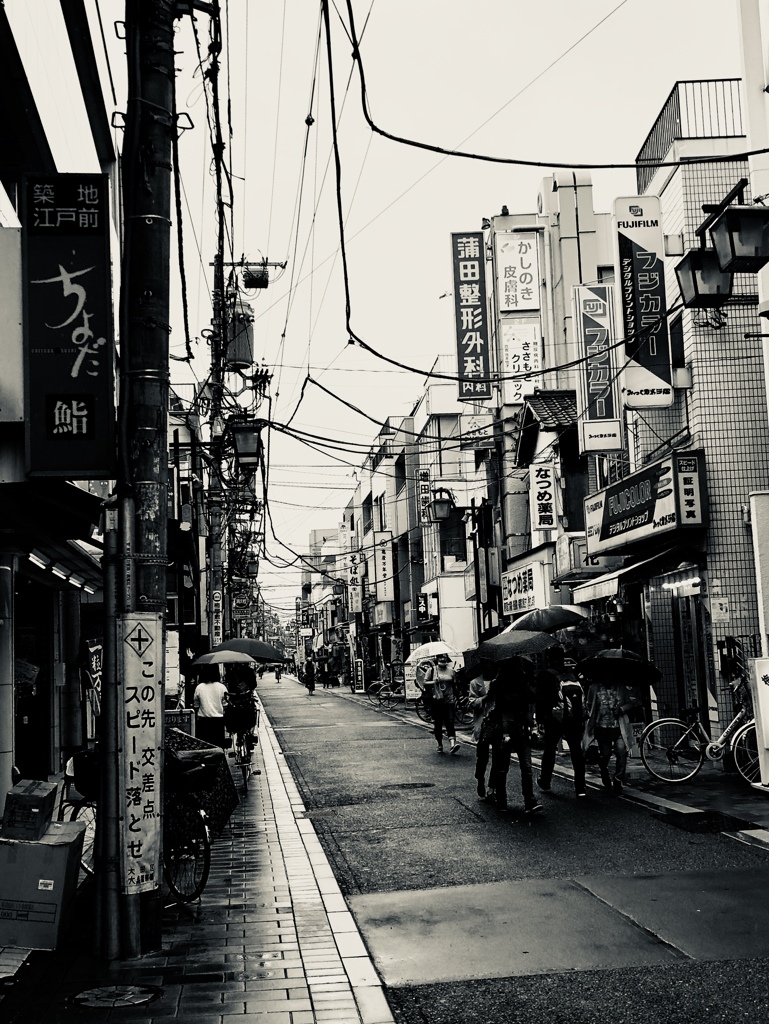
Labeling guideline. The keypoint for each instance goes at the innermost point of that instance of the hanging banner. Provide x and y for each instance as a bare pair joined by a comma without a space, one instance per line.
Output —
639,262
517,266
520,353
68,344
471,311
542,485
383,562
598,399
140,673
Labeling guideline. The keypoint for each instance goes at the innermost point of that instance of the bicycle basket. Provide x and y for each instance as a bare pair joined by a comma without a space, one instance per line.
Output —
85,766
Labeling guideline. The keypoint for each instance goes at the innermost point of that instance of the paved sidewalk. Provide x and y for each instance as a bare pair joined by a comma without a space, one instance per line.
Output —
272,940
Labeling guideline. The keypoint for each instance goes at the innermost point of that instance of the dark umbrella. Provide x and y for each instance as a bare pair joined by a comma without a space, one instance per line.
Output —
256,649
618,665
550,619
508,645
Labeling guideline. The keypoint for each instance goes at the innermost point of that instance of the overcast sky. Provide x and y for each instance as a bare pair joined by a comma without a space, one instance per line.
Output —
557,80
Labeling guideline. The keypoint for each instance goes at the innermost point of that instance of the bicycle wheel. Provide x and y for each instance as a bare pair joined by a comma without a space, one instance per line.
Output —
186,854
671,750
463,714
86,813
243,758
389,698
373,693
422,711
745,751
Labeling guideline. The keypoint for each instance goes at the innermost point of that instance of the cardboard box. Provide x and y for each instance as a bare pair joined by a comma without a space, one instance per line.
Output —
38,881
28,810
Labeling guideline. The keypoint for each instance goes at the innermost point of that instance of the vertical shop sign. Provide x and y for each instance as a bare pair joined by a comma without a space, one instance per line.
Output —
217,618
598,392
424,494
383,560
68,343
520,357
517,264
140,738
640,267
472,317
354,591
542,496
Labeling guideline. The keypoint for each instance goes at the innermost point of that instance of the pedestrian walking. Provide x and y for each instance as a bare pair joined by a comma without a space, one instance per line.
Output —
478,694
511,716
438,680
209,700
608,722
560,711
309,677
278,672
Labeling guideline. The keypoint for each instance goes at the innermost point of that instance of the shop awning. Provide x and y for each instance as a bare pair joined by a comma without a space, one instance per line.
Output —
608,585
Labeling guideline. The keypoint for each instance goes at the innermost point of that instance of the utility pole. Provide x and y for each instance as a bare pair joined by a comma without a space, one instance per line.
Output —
130,917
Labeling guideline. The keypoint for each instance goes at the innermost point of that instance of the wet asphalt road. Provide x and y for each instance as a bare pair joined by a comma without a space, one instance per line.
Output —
394,817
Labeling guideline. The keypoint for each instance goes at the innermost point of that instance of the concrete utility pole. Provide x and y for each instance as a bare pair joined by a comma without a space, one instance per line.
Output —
129,921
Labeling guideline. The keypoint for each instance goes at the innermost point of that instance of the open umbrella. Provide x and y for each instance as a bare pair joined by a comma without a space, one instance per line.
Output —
220,657
616,664
508,645
431,650
258,650
550,619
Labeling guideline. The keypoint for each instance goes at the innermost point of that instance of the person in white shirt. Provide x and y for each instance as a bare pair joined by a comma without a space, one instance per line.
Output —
210,700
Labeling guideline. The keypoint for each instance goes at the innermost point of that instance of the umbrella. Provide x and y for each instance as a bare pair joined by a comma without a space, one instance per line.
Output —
508,645
550,619
220,657
621,666
258,650
431,650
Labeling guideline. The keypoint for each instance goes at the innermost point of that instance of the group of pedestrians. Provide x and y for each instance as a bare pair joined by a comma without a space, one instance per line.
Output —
509,699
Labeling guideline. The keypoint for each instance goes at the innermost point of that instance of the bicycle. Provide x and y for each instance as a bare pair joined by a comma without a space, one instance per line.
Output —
463,712
241,719
186,838
674,749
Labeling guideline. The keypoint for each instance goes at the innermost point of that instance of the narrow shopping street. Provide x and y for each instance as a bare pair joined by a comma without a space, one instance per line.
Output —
416,895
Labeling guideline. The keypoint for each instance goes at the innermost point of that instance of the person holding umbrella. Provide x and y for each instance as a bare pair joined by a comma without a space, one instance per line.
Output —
560,713
439,680
510,703
608,704
210,700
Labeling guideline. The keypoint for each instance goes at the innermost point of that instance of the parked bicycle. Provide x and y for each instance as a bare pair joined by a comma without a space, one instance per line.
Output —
186,837
674,749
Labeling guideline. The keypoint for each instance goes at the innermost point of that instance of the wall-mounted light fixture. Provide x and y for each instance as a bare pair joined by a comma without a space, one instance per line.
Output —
441,506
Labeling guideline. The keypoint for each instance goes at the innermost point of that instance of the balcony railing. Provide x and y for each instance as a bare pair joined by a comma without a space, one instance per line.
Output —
709,109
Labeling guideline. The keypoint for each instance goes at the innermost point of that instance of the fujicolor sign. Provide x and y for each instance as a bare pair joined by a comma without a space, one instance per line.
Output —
600,416
640,268
668,495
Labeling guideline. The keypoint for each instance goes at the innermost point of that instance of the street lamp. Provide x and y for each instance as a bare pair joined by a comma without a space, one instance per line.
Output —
740,237
246,439
702,283
441,506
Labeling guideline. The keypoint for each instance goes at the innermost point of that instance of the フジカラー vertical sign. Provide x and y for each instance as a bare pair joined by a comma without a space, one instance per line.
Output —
472,316
68,336
600,416
640,267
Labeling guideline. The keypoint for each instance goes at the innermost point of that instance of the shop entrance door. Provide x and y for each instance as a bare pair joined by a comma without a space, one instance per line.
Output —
691,664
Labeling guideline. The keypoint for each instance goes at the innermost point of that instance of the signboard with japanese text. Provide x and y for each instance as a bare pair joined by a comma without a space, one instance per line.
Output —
640,269
69,344
598,401
472,316
524,587
520,353
665,496
476,432
517,264
383,561
354,587
424,494
140,738
542,486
